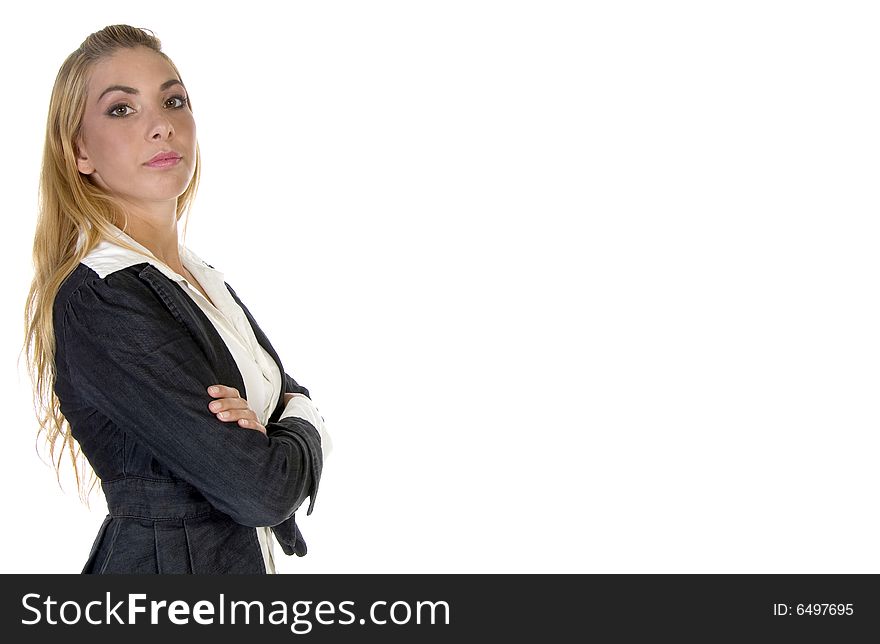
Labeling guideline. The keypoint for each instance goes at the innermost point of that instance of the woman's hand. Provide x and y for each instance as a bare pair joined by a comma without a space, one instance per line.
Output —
234,406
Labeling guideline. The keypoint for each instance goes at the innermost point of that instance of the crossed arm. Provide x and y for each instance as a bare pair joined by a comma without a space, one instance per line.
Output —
138,366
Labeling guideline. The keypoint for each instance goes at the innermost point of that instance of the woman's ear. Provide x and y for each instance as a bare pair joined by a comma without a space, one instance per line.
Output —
82,157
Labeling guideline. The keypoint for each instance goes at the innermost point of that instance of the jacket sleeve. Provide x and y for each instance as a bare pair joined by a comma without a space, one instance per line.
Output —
131,360
301,406
288,535
291,386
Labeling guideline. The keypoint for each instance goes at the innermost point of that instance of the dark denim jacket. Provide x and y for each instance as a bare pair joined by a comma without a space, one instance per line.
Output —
134,358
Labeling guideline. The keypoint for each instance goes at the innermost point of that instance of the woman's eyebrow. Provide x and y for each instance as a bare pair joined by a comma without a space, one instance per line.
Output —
132,90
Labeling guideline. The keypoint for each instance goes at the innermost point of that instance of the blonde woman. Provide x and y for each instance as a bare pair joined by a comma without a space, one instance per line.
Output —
144,360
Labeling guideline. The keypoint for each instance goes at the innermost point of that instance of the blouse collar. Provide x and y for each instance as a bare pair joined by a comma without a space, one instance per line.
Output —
107,257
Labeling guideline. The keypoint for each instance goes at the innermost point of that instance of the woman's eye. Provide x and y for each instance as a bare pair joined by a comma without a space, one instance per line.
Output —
183,100
113,110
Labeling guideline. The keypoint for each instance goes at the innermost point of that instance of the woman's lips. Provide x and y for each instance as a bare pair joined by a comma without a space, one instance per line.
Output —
164,163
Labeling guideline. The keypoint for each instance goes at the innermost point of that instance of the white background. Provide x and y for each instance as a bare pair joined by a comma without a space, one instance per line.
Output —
577,286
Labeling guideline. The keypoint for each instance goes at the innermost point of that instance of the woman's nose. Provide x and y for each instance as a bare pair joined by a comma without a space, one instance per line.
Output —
160,126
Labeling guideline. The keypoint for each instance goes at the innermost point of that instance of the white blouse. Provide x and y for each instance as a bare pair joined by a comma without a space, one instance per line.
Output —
259,371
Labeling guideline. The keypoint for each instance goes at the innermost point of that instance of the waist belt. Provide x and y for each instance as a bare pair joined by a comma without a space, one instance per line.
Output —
154,499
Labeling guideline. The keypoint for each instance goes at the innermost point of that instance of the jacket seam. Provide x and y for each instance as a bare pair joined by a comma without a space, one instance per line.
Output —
259,549
67,307
145,478
161,518
156,549
188,549
110,552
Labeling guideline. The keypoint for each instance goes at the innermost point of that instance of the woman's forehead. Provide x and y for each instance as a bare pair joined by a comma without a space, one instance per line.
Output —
142,70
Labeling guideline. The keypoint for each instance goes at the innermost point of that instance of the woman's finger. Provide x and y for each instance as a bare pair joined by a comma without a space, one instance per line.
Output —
246,423
224,404
244,417
236,414
224,391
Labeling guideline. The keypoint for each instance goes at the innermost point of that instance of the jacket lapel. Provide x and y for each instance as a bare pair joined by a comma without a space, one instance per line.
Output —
264,342
191,316
199,326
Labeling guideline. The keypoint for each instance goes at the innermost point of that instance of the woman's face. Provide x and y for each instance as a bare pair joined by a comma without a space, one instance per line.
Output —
123,129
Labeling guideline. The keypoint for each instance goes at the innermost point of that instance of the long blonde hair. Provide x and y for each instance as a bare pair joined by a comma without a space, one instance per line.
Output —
74,216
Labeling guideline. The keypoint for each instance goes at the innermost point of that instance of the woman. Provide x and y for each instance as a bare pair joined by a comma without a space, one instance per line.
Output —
204,445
